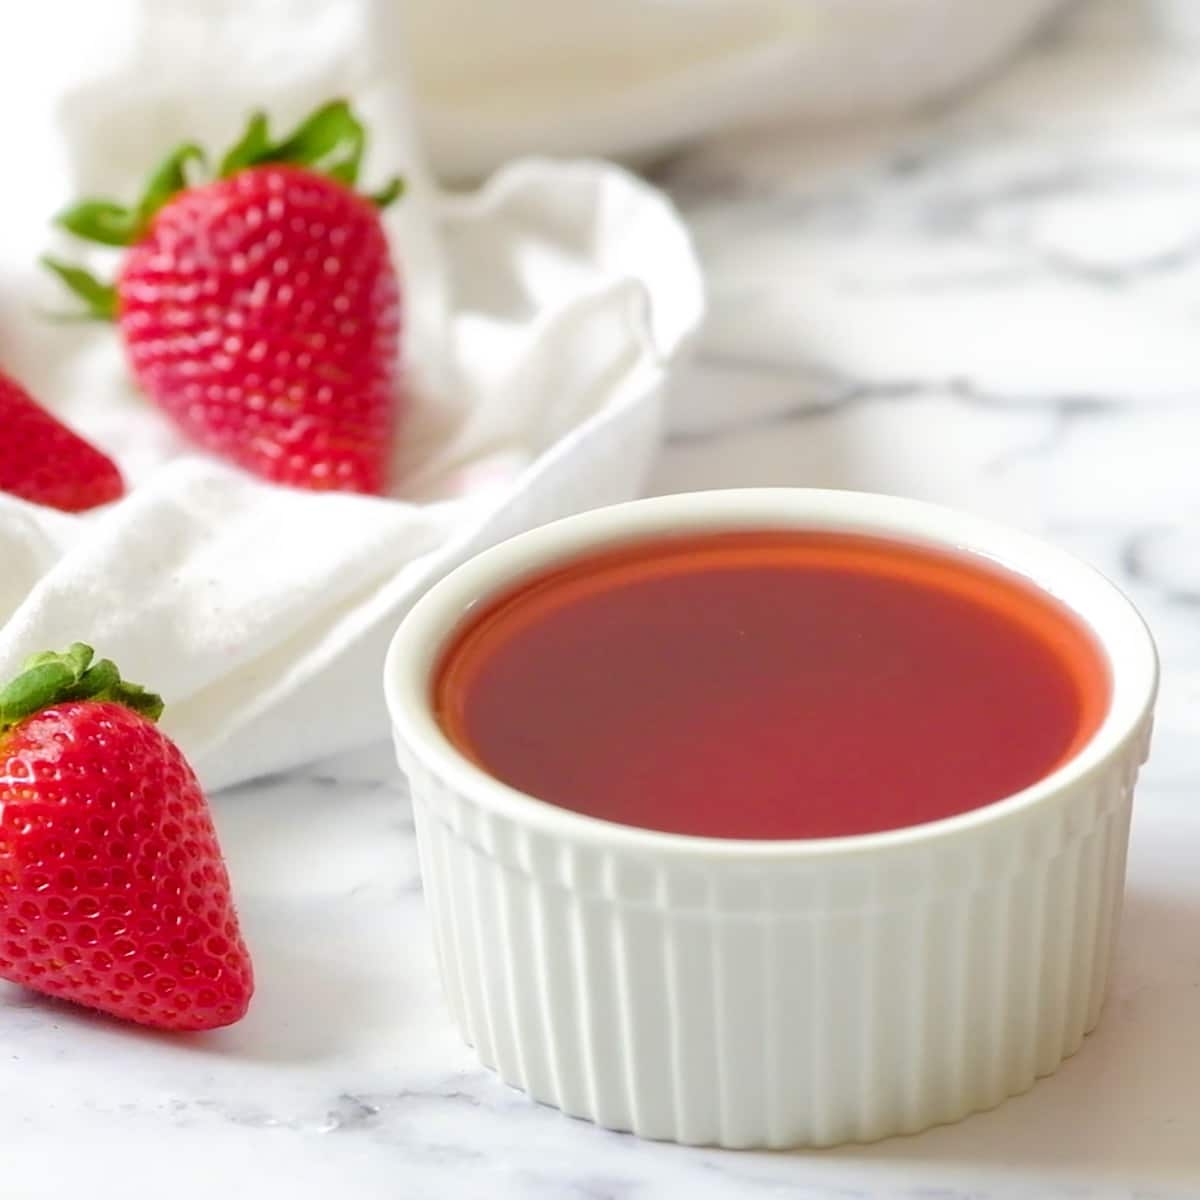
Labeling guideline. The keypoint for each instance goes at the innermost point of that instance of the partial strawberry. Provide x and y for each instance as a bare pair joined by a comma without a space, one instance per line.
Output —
42,461
113,891
261,309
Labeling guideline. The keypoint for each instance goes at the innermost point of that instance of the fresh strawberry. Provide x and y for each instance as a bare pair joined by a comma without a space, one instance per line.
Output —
261,309
41,460
113,892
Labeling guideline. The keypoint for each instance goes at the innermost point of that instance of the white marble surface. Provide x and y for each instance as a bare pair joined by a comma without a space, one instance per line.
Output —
996,305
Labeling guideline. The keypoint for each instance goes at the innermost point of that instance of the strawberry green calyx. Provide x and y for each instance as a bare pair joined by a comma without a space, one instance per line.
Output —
330,141
100,299
51,678
112,224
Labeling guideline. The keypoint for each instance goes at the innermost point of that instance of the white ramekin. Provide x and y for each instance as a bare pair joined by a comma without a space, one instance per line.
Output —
788,993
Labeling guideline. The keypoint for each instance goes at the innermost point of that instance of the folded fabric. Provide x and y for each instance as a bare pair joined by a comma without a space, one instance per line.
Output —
632,78
543,315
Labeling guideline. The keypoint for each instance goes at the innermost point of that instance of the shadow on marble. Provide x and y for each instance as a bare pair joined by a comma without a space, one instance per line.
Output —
304,1011
326,881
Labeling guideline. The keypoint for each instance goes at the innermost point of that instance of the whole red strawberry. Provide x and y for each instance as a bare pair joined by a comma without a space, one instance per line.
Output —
113,891
261,309
42,461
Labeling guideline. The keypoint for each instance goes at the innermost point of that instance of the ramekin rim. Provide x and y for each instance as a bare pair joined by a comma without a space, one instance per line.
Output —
411,657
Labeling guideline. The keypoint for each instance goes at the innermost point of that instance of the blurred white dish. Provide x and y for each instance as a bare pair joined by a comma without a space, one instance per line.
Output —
631,78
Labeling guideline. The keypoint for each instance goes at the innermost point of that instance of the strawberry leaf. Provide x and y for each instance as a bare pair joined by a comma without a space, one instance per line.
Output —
113,224
50,678
331,141
77,656
32,691
346,170
100,298
102,221
47,678
133,695
246,151
333,127
392,190
169,178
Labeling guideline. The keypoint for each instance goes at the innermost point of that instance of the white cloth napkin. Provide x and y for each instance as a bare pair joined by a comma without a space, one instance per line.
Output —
632,78
543,316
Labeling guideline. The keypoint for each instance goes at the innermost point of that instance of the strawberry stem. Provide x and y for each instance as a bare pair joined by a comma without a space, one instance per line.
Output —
51,678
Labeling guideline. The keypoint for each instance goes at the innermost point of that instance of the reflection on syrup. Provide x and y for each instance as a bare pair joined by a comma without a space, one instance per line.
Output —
772,684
